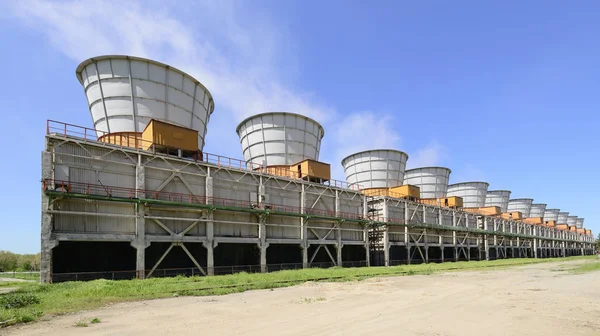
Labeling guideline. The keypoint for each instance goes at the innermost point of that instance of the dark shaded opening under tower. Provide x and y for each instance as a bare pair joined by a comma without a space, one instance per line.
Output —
176,262
322,258
449,254
398,256
354,256
233,258
100,260
284,256
435,254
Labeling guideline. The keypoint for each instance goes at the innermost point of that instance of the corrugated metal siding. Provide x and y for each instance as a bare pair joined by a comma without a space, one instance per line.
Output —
250,229
283,232
98,224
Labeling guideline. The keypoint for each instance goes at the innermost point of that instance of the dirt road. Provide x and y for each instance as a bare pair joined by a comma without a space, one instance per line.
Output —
529,300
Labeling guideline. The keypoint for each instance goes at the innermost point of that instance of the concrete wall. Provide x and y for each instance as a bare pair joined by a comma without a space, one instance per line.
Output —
178,180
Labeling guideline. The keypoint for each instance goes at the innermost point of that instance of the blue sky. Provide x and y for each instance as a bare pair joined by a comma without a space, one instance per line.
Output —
505,92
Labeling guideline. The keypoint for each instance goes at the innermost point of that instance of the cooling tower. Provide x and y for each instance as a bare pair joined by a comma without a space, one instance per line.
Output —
580,223
433,181
562,217
572,220
498,198
280,138
537,210
551,215
522,205
124,93
472,193
379,168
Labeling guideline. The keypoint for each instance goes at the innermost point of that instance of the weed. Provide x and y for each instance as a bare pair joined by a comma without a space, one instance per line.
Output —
81,324
95,320
18,300
311,300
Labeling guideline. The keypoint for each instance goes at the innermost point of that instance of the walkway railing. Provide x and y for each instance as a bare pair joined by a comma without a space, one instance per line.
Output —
134,141
133,194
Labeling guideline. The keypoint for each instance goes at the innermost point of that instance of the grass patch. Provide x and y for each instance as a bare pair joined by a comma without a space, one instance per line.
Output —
587,267
21,275
95,320
69,297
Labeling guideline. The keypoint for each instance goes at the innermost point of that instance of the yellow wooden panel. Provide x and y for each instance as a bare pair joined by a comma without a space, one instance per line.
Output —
313,169
563,227
125,139
284,171
516,215
551,223
486,211
406,190
165,135
534,220
147,135
447,202
453,202
573,228
376,192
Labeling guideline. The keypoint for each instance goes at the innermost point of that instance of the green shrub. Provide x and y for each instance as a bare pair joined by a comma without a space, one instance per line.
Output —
18,300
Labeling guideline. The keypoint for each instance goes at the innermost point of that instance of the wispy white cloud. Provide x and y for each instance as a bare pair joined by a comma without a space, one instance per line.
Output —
356,132
432,154
238,53
467,173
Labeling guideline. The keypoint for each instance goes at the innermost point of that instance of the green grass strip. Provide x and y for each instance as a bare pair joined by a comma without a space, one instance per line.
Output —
66,297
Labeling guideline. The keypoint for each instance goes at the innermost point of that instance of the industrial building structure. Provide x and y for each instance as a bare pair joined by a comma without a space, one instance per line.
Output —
137,197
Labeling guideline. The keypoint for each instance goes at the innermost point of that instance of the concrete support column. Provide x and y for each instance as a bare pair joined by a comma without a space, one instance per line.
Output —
210,244
338,231
406,235
440,238
139,242
210,256
454,223
442,252
263,245
519,247
386,236
47,242
263,257
303,228
486,245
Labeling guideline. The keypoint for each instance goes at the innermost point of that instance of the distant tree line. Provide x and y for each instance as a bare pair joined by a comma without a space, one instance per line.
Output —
19,262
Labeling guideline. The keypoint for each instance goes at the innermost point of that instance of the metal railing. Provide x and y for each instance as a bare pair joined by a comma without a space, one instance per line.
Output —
133,193
135,142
